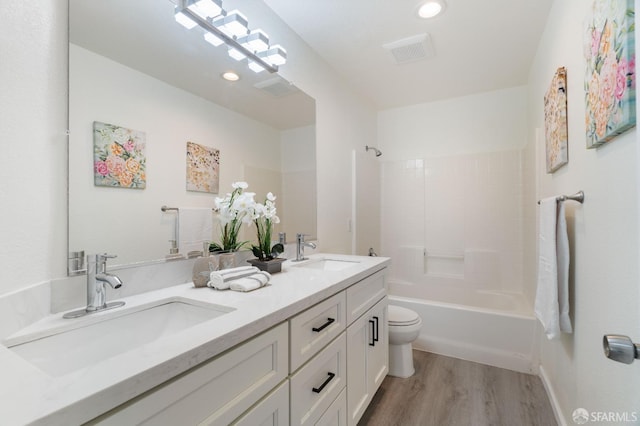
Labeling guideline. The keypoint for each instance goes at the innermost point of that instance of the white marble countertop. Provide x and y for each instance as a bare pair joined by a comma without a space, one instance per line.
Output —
28,395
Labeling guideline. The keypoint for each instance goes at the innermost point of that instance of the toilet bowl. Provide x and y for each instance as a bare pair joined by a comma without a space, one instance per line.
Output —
404,328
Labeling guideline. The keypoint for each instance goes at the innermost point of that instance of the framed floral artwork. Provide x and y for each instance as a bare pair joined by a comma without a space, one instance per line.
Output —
118,156
203,168
555,121
609,48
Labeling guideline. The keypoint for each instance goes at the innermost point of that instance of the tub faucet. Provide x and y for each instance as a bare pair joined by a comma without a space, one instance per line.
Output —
97,277
300,245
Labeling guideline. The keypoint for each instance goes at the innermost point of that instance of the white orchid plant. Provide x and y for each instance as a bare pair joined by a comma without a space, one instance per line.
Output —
265,217
239,207
234,209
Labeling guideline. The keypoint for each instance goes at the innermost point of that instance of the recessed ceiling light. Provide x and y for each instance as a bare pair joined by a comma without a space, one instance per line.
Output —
431,8
230,76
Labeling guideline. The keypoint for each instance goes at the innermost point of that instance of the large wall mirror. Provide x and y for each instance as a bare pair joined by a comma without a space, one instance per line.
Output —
131,65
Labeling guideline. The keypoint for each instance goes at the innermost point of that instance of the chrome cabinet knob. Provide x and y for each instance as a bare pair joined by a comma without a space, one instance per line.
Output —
620,348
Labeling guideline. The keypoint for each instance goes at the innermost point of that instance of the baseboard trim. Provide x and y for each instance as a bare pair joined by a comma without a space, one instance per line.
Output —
555,404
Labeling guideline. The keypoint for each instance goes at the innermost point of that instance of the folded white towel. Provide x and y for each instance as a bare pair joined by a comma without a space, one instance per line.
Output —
220,279
251,282
552,293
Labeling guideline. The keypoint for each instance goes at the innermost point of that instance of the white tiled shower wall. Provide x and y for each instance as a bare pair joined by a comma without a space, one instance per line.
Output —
455,220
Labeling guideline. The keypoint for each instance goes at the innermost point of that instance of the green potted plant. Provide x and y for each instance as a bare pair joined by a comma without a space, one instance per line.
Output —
233,210
266,255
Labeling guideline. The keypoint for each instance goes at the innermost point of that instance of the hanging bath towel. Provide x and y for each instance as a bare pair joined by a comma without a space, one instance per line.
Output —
552,294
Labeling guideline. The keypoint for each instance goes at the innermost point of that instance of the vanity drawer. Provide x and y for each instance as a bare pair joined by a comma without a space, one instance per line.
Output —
336,414
364,294
316,385
217,392
312,329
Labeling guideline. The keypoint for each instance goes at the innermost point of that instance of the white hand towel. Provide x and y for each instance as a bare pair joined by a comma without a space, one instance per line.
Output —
195,226
251,282
553,269
220,279
563,256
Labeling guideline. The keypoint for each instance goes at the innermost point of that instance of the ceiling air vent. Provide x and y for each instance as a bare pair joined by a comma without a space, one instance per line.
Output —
277,87
411,49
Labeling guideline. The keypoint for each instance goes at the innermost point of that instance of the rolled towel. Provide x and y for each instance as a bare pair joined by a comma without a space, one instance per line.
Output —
220,279
251,282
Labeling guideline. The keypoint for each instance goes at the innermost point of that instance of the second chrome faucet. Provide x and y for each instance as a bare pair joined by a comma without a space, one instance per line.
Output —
300,245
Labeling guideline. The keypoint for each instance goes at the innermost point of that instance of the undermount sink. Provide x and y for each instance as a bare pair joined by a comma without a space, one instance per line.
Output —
79,345
329,264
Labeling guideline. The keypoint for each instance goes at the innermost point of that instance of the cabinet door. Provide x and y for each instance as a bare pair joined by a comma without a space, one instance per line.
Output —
367,359
271,411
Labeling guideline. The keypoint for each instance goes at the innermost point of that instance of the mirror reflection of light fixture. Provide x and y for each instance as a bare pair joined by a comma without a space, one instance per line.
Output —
255,67
431,8
236,54
205,8
256,41
235,24
276,55
212,39
232,29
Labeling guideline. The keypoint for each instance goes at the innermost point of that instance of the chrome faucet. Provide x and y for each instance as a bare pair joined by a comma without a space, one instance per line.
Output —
97,277
300,245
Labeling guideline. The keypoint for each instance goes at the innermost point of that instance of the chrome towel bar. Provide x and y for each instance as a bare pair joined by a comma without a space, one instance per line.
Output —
578,196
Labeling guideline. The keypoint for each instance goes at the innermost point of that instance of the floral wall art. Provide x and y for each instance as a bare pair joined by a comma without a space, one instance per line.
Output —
555,121
203,168
609,48
118,156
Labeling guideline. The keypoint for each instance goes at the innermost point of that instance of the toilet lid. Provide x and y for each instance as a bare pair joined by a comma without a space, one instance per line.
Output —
402,316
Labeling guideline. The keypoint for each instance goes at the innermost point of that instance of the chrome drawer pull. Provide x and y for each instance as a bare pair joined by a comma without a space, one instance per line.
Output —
326,382
323,326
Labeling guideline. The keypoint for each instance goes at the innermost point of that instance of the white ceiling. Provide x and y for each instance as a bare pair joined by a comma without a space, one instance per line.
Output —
479,45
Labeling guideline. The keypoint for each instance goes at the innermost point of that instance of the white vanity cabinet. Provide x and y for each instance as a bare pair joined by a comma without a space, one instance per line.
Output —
319,367
367,343
214,393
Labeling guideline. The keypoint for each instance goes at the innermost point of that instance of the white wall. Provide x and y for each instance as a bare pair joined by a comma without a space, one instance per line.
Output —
604,276
486,122
33,110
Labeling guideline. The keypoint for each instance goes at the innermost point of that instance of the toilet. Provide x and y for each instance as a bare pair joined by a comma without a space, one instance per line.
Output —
404,328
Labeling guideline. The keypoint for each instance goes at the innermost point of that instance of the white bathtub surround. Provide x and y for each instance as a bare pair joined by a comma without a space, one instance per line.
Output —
461,220
552,295
83,394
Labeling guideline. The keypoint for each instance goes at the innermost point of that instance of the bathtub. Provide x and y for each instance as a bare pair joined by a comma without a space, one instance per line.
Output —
491,328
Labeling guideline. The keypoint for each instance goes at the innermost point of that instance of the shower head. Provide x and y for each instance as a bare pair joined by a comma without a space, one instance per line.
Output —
376,150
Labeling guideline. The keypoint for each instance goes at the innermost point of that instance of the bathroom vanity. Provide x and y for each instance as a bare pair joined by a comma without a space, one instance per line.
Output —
310,348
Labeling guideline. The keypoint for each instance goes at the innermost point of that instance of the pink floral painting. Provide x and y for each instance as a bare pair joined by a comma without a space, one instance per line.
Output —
203,168
555,121
118,156
610,94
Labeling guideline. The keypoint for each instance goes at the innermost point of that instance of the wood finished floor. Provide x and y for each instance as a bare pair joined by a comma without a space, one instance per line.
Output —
447,391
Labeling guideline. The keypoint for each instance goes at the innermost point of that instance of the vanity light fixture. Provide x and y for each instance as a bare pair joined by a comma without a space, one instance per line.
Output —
255,67
431,8
232,29
276,55
236,54
234,24
255,41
